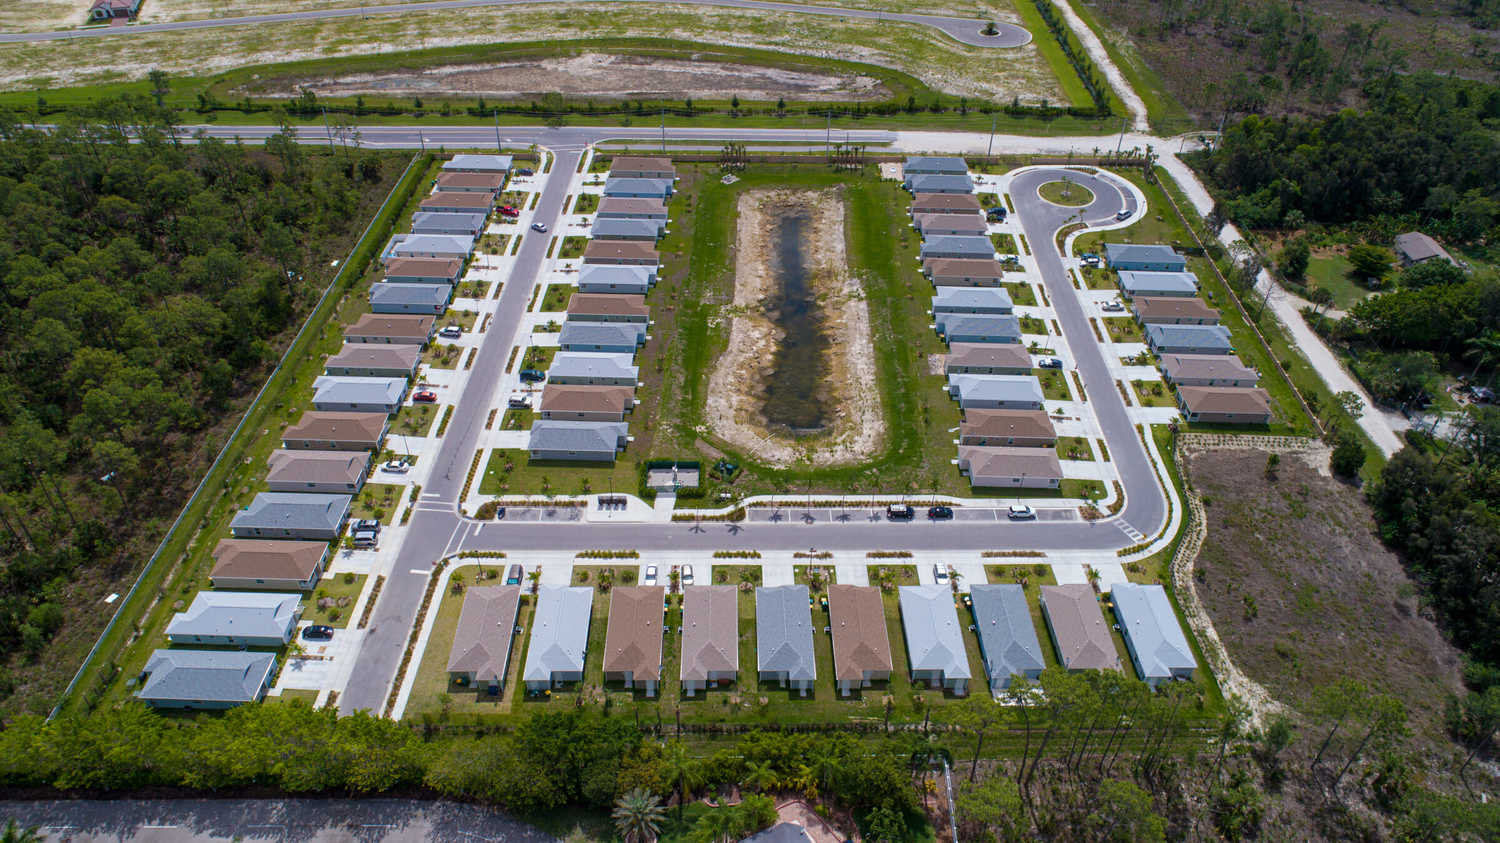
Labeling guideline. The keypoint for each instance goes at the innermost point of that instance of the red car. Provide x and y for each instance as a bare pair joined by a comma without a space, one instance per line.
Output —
509,211
425,396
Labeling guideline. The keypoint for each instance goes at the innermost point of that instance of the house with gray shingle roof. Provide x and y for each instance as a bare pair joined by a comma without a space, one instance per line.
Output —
608,278
559,637
986,300
1077,627
335,393
205,679
710,636
632,188
428,246
1007,637
471,163
957,247
615,228
289,515
978,327
1135,283
480,654
1144,257
1154,638
939,183
424,299
237,619
454,224
934,641
996,392
581,367
609,337
784,637
577,441
940,165
1189,339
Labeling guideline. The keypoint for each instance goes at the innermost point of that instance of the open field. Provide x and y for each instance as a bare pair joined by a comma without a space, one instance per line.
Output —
1330,272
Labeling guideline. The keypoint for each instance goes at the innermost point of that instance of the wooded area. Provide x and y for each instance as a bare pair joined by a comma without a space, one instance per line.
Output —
148,288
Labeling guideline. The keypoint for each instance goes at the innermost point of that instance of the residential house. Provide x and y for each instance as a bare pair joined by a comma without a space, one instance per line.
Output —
1174,311
1153,637
621,253
292,515
996,392
627,188
926,165
368,360
317,471
632,642
410,298
480,655
625,280
987,358
337,432
1207,370
936,225
393,329
861,645
608,307
237,619
1010,468
108,10
452,224
939,183
1135,283
577,441
957,272
934,641
1077,628
710,637
487,183
641,167
622,228
359,395
423,270
268,565
784,637
1007,637
458,202
981,328
205,679
1144,257
781,832
1415,247
468,163
569,402
578,367
1224,404
430,246
615,337
945,203
559,637
1007,429
623,208
987,300
959,248
1189,339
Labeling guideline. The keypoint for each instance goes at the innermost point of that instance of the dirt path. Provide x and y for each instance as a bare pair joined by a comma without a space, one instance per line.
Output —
737,385
1106,65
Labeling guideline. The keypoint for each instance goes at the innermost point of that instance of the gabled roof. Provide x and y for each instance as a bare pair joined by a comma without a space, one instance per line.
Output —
439,244
461,181
574,398
607,227
633,640
260,559
996,387
996,461
466,200
293,511
343,389
394,325
963,267
1178,307
1137,280
934,640
468,161
616,185
242,614
607,304
1245,400
338,427
559,632
641,164
1083,639
481,643
606,273
1022,423
427,295
581,332
373,355
582,436
950,165
710,631
1207,336
620,250
1008,637
1011,354
1181,366
631,205
978,324
595,364
423,268
447,220
975,246
1151,628
1416,247
952,222
860,641
991,297
222,676
944,203
321,467
920,182
1149,252
783,631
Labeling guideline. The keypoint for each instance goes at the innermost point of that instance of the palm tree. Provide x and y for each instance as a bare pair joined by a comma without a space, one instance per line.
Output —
682,770
13,833
760,776
1484,348
638,815
715,826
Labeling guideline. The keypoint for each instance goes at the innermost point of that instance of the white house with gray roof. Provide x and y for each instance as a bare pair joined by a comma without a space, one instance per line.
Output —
610,337
610,278
996,392
428,246
614,228
1146,257
1134,284
1157,645
784,637
978,327
1189,339
939,183
205,679
425,299
581,367
291,515
959,247
577,441
632,188
934,641
452,223
333,393
984,300
917,165
1008,641
470,163
237,619
559,637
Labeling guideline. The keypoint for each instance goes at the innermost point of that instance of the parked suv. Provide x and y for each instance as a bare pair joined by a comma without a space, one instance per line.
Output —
533,375
900,512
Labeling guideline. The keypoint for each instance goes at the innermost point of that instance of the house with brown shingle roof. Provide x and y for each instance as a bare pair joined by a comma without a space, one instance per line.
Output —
632,643
944,203
1011,468
1007,428
987,358
1224,405
963,272
621,253
608,307
574,402
641,167
710,636
490,183
458,201
861,644
423,270
482,642
317,431
622,207
268,565
317,471
369,360
394,329
1077,627
1176,310
1206,370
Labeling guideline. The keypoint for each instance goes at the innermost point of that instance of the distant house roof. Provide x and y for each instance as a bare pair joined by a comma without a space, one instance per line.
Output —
397,326
239,614
341,389
1173,307
460,200
410,295
633,640
338,427
559,632
997,387
710,631
1242,400
605,228
1144,283
293,511
1196,336
934,640
586,398
580,436
482,163
1151,628
423,267
963,268
1083,639
1141,253
1027,424
986,461
604,273
317,467
608,334
641,164
783,631
581,364
259,559
481,643
369,355
946,165
1006,633
940,183
978,325
782,832
970,223
419,245
471,181
1200,366
637,187
1000,354
607,304
926,203
210,676
856,614
970,247
628,205
433,221
971,297
1415,247
620,250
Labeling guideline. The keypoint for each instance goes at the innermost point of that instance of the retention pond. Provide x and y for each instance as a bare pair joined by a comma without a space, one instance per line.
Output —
795,397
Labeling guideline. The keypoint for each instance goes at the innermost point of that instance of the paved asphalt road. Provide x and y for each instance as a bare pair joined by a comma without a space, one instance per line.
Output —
183,820
965,31
563,138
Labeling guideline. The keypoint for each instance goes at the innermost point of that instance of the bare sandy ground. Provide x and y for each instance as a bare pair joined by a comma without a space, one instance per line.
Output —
737,384
596,75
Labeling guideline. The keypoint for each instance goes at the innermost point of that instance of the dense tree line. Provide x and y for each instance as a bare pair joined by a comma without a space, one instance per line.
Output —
145,286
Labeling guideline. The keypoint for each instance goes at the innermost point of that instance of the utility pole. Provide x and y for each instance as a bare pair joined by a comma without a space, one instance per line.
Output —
664,129
1121,142
423,139
497,130
828,136
990,150
327,131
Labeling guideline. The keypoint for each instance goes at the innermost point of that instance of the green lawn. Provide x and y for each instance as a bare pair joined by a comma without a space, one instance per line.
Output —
1047,45
1064,192
465,319
517,419
493,244
378,501
332,602
572,247
539,357
1331,272
1033,325
1005,244
414,419
586,203
432,694
1099,279
1022,294
1054,384
555,477
1153,394
1074,448
472,290
1123,329
439,356
556,298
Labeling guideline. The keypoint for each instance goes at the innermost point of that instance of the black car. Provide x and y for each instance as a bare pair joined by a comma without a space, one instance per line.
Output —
940,513
525,171
317,632
533,375
996,214
900,512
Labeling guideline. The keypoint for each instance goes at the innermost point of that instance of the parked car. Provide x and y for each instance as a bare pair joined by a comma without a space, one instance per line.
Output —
317,632
515,575
424,396
940,574
451,332
366,525
1113,307
396,466
533,375
995,214
539,226
519,402
509,211
650,578
1124,214
940,513
1050,363
1021,512
687,574
365,541
524,171
900,512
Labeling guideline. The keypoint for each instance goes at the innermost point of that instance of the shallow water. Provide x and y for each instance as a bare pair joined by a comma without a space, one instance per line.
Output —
793,400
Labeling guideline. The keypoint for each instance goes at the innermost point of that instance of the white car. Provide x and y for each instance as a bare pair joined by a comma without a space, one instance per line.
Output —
650,578
1021,512
1113,307
940,574
451,332
687,574
396,466
539,226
